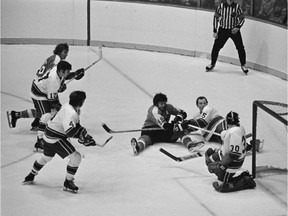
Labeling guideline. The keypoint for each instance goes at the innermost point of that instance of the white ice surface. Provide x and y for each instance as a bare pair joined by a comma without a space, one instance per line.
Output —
111,180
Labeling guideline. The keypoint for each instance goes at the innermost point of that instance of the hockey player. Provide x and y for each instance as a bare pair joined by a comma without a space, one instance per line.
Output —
64,125
44,94
207,118
59,54
225,162
158,116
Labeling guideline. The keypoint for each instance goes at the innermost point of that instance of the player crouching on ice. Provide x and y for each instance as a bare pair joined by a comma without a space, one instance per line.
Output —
225,162
64,125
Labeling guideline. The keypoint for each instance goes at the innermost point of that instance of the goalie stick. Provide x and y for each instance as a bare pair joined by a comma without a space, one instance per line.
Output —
127,131
99,59
180,159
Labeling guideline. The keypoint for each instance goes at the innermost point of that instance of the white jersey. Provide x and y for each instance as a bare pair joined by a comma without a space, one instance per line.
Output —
208,114
65,120
234,141
47,86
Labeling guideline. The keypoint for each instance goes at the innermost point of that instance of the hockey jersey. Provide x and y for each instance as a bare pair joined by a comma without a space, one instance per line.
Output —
48,65
234,145
207,114
47,86
60,127
157,118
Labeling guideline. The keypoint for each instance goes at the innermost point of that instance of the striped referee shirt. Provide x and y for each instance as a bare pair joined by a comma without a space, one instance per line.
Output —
228,16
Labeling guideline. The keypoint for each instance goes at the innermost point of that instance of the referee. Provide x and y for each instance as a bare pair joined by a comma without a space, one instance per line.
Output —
228,19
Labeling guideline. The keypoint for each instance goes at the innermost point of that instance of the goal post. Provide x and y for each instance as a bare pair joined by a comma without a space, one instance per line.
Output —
269,122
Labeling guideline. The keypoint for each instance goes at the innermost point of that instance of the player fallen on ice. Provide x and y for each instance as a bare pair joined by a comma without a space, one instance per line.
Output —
59,54
207,118
158,116
63,126
228,160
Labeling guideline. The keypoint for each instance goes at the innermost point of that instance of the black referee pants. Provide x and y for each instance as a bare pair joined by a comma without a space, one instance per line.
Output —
223,36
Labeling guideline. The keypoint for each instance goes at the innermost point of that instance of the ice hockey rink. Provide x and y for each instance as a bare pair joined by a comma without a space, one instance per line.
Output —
111,180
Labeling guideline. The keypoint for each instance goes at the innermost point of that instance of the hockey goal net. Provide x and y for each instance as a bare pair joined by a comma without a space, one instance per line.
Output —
270,125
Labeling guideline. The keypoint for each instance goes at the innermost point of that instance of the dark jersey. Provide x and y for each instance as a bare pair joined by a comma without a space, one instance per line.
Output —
156,117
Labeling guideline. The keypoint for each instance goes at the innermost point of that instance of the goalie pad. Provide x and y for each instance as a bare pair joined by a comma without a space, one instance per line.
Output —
241,182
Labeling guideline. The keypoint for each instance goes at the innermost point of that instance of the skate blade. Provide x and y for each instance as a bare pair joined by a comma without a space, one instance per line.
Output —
9,119
27,182
71,191
133,144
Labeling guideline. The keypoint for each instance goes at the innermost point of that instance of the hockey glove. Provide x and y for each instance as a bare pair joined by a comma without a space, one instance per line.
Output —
86,139
56,105
208,155
180,117
172,127
62,88
79,73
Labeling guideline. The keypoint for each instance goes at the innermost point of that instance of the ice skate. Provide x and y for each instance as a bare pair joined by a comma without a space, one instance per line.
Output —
244,69
209,67
195,146
35,124
29,179
12,117
38,145
70,186
135,146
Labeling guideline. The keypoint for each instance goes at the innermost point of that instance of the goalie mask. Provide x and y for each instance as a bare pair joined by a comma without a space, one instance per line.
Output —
232,118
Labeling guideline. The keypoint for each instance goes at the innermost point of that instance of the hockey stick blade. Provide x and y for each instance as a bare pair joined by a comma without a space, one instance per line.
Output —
106,128
102,145
180,159
9,119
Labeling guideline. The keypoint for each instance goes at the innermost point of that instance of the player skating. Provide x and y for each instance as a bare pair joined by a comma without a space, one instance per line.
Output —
158,117
64,125
44,94
59,54
227,160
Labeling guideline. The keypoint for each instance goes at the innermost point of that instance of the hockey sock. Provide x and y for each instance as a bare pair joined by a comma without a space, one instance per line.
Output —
29,113
71,171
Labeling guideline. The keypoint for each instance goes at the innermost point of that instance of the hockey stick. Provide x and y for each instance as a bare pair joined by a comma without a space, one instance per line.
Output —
208,131
218,134
102,145
95,62
128,131
180,159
